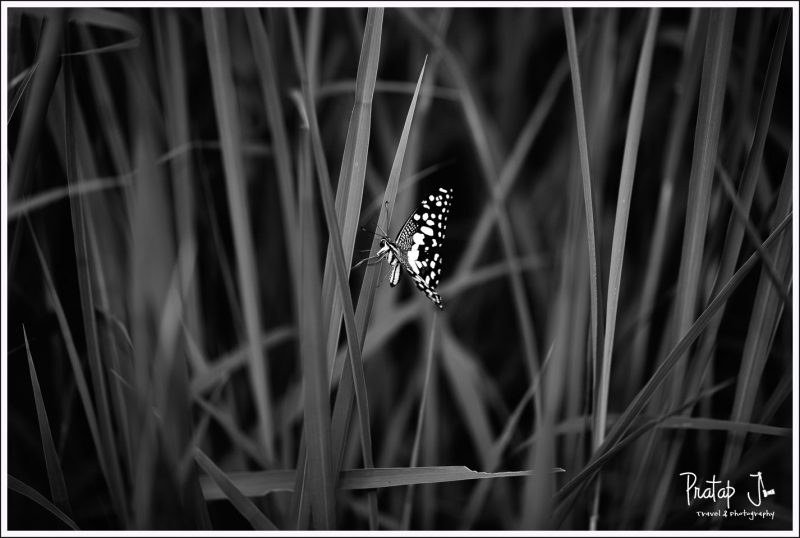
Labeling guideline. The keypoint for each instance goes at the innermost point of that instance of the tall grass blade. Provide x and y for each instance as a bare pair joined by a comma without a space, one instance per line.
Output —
227,119
339,264
706,142
268,77
634,409
766,314
48,63
350,187
709,119
58,487
478,130
319,480
633,136
344,397
82,257
591,221
409,500
245,506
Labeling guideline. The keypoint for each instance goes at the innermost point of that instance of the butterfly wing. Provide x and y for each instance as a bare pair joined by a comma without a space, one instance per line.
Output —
421,238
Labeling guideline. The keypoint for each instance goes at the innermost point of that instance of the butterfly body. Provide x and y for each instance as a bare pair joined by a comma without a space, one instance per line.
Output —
418,244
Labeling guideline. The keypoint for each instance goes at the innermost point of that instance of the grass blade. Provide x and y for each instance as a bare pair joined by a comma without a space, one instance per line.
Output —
319,479
58,487
350,188
15,484
82,257
767,310
260,483
268,78
634,409
633,136
245,506
48,64
227,119
407,505
591,220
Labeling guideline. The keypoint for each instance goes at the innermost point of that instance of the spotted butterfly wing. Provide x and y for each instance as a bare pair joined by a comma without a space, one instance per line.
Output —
419,243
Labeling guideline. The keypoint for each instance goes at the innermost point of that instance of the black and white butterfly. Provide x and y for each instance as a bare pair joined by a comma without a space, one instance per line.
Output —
417,247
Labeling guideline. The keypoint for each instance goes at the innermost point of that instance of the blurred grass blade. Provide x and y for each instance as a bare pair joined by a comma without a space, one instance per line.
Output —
245,506
268,77
225,106
591,220
48,63
463,371
634,409
260,483
108,19
479,129
15,484
709,119
239,439
82,257
319,481
74,359
223,367
58,487
409,500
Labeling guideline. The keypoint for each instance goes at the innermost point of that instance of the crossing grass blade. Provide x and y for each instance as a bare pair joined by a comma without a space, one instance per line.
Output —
319,482
706,143
767,310
350,187
339,265
347,388
245,506
623,426
225,105
58,487
223,367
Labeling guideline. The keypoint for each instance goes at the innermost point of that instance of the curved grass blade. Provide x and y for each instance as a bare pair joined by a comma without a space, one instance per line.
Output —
15,484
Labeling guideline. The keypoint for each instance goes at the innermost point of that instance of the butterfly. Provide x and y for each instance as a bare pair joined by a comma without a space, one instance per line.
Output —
417,247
